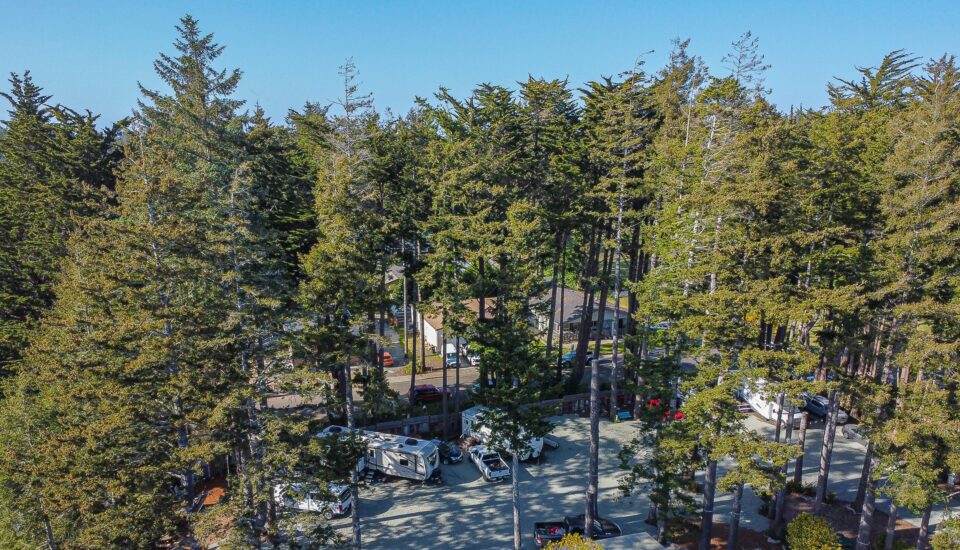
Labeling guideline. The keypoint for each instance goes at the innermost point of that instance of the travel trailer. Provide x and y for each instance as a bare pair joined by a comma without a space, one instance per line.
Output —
469,424
397,455
765,404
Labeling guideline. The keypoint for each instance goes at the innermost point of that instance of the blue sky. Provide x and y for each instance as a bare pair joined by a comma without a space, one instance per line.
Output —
92,54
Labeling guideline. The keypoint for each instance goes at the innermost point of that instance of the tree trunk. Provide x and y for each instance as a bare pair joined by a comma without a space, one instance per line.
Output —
709,491
553,301
383,312
482,316
923,538
456,386
47,527
891,526
602,306
515,490
444,405
735,518
866,516
355,476
563,288
826,453
423,344
801,440
586,315
406,320
864,477
413,356
779,521
594,460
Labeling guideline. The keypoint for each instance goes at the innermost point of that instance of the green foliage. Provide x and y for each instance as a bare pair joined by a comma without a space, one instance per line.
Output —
807,532
947,535
573,541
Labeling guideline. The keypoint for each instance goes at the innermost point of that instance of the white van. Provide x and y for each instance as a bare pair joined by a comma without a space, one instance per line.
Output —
336,502
765,405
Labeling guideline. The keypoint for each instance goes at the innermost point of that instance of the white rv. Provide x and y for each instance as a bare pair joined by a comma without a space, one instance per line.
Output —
397,455
469,424
335,502
765,404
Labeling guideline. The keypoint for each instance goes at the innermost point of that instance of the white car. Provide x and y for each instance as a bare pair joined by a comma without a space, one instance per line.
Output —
488,461
336,502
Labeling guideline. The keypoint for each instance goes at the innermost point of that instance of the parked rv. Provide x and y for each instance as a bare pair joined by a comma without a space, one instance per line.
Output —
765,404
335,502
470,426
488,461
397,455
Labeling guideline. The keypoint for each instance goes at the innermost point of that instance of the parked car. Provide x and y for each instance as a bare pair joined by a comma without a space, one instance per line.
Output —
549,531
819,407
335,502
449,452
567,358
387,359
425,393
856,433
488,461
475,388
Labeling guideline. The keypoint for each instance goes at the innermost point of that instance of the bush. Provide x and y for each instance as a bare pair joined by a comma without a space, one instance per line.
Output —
807,532
574,541
801,489
948,535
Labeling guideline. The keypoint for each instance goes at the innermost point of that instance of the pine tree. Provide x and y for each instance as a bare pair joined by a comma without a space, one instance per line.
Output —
55,168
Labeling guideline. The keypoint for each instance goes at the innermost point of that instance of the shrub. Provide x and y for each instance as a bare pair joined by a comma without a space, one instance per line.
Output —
574,541
801,489
807,532
948,535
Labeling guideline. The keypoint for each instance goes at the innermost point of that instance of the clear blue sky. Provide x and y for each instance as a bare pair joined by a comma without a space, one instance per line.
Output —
91,54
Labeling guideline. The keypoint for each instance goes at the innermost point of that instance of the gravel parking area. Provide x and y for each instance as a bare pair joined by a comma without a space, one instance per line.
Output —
468,512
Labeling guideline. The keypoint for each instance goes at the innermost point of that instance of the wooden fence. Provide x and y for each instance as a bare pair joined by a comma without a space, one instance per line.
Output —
425,426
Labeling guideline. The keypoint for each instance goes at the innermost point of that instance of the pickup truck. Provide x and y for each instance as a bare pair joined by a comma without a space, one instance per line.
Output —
546,532
488,461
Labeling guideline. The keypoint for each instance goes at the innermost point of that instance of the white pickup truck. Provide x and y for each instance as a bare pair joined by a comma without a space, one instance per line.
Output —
488,461
334,502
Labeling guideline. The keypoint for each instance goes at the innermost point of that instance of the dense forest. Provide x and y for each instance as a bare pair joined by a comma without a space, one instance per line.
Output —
161,276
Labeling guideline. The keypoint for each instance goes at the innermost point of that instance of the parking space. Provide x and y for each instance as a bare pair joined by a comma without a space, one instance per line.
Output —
468,512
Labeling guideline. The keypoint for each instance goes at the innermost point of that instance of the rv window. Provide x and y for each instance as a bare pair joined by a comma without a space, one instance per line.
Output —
370,453
404,462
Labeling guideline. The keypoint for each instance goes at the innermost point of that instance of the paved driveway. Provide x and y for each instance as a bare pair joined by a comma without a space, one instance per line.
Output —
467,512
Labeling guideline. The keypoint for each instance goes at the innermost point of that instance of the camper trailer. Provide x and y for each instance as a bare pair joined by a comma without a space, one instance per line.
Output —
334,430
765,405
397,455
469,423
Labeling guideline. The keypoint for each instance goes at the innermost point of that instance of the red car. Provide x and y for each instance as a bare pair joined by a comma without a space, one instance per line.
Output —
424,393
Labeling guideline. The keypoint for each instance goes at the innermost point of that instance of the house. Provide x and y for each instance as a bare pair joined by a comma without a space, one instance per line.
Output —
572,306
433,322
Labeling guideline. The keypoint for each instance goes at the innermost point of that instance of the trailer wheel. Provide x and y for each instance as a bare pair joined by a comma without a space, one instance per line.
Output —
328,514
